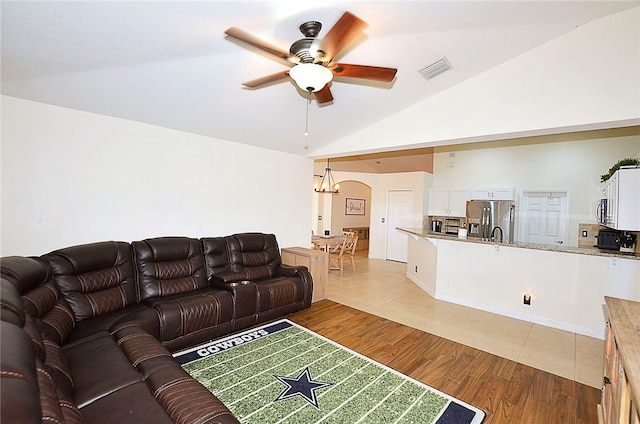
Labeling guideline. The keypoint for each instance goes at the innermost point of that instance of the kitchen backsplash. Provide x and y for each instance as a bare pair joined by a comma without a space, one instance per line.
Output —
588,233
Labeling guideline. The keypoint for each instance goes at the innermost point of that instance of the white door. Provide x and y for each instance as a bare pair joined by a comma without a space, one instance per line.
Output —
400,205
544,218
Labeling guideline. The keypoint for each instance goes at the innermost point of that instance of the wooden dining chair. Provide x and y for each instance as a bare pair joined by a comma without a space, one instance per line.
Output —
347,251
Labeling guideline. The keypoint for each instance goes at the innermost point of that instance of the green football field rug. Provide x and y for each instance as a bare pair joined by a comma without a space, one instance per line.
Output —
283,373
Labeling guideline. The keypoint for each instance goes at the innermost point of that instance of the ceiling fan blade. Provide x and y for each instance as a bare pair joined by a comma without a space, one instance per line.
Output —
324,95
269,79
348,28
375,73
254,41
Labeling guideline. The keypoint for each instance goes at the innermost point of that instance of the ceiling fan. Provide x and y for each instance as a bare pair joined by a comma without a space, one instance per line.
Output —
311,58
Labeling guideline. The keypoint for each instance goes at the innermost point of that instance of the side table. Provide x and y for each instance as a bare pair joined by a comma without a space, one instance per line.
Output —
316,261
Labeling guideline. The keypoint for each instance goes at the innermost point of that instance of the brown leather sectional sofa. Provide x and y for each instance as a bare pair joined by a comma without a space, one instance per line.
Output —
86,332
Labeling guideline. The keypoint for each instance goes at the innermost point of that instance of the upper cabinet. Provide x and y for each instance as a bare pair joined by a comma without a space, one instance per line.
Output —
622,191
448,202
492,194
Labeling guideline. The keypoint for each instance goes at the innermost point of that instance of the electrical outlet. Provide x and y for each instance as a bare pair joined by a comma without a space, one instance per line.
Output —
585,233
416,268
527,299
613,263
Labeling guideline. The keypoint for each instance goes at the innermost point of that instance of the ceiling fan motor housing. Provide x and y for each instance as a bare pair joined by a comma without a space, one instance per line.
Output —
302,48
310,29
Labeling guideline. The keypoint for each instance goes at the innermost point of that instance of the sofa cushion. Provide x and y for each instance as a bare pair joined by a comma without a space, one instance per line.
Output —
95,278
216,255
194,317
133,404
137,314
99,368
40,296
255,255
168,266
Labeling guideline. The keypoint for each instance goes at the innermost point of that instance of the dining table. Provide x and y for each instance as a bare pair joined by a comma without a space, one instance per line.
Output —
327,242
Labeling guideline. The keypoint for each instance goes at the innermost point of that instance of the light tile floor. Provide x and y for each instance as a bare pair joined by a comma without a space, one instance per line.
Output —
381,288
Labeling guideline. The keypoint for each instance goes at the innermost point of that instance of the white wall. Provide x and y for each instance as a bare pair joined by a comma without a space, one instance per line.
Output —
585,79
575,166
339,219
71,177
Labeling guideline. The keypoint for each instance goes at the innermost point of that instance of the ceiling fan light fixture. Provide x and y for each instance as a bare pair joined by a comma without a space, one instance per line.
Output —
310,76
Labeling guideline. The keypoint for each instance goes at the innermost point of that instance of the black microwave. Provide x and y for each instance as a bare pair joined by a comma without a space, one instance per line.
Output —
609,239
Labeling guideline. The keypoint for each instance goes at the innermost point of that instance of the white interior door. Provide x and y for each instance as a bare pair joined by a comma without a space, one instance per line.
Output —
400,205
544,217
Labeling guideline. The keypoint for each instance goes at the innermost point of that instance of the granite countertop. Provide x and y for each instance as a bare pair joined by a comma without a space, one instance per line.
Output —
593,251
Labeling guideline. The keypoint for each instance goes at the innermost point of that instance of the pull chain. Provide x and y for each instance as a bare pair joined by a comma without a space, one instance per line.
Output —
306,124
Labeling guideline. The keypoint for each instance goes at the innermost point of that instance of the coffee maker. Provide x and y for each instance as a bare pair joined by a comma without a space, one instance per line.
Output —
436,226
627,242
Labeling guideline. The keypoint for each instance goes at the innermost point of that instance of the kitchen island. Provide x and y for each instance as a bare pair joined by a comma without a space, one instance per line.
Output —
566,285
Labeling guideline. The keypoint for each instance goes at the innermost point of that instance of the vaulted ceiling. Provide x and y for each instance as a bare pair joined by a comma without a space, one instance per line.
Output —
168,63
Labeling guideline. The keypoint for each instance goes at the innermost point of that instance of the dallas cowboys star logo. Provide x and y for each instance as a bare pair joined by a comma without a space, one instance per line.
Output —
302,386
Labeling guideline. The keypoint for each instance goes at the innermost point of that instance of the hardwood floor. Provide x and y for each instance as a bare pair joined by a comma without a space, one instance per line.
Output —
507,391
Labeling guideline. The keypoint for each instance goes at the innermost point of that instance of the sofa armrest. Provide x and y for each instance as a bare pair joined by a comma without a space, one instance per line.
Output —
289,270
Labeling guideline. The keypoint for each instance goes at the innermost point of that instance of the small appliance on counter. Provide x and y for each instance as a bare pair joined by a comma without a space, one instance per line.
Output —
627,243
452,225
608,239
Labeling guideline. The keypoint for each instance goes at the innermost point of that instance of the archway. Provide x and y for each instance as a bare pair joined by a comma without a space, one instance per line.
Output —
348,209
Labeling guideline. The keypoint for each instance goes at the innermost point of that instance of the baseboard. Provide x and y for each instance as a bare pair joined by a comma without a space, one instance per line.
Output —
535,319
420,284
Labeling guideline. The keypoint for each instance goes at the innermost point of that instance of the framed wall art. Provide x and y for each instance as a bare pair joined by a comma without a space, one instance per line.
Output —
354,206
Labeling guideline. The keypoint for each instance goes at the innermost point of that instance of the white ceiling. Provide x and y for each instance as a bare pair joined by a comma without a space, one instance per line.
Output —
168,63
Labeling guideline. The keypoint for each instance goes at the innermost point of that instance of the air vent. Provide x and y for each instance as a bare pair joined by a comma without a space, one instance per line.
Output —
435,68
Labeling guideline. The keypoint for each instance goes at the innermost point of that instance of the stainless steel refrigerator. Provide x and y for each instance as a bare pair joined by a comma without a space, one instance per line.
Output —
491,220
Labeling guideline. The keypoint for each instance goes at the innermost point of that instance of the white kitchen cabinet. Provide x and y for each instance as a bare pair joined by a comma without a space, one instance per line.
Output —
622,191
492,194
448,202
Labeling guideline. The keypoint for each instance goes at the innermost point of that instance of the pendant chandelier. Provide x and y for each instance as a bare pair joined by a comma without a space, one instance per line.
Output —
327,183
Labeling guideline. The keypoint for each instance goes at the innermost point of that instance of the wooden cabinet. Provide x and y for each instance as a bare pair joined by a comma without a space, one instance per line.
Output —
622,191
448,202
621,384
363,236
317,263
492,194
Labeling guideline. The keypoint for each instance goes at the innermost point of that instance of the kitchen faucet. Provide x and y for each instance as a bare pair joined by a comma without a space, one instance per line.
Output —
493,233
